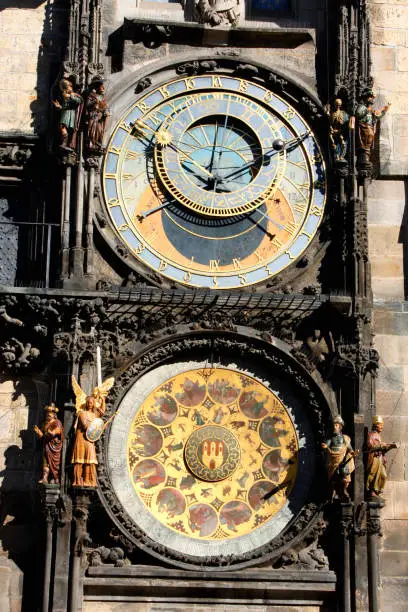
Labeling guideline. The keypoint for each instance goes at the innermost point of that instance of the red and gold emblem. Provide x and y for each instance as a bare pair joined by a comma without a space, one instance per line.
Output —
212,453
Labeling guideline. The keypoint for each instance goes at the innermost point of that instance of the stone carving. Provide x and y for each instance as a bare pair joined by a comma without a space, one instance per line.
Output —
52,436
310,559
192,68
88,428
69,105
339,461
376,472
367,119
102,554
143,84
218,12
339,122
96,113
15,154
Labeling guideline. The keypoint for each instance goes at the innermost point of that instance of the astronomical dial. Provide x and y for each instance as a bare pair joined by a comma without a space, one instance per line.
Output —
214,181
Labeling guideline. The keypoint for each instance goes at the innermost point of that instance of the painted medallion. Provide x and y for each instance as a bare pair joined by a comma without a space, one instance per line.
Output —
212,454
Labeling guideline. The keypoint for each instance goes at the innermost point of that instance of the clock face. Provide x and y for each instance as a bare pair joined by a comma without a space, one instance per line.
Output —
214,181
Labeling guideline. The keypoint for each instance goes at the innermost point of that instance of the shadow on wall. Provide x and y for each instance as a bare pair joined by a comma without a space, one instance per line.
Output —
20,528
403,239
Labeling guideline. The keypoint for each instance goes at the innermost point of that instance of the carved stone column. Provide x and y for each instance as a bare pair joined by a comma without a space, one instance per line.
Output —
82,498
346,526
373,533
50,494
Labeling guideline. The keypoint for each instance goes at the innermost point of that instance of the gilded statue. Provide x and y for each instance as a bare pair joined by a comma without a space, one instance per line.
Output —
97,112
52,436
218,12
88,428
339,461
69,104
367,119
376,463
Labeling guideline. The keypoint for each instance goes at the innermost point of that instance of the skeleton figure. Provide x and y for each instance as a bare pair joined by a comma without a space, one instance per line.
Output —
218,12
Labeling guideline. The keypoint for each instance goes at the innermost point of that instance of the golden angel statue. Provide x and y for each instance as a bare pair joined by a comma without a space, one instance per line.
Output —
89,427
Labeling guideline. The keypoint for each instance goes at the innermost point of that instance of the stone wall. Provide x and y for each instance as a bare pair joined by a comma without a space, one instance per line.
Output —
30,37
389,19
19,468
387,216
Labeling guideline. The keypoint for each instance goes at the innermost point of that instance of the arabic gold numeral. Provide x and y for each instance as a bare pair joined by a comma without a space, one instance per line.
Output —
242,279
216,81
316,211
190,83
123,227
162,265
289,114
164,92
113,202
259,256
127,176
140,248
187,277
214,265
115,150
289,254
237,264
317,159
290,228
268,96
143,107
276,242
110,175
267,268
300,207
243,86
215,281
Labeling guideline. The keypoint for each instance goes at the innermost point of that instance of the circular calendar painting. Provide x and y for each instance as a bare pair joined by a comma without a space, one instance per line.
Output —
212,454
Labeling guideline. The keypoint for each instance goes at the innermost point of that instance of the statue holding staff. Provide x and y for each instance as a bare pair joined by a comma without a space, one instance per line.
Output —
52,436
339,461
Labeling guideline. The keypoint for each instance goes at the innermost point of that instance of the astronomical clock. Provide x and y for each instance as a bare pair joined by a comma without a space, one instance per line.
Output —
214,182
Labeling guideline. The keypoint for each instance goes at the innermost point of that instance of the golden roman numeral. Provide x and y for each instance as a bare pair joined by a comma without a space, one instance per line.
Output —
216,81
214,265
290,228
164,92
237,264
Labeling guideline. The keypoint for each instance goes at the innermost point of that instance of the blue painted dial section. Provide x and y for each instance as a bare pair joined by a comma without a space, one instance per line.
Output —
197,190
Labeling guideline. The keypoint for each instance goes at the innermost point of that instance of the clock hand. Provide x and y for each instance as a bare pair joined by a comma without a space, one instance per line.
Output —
146,213
164,138
278,146
214,146
265,216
